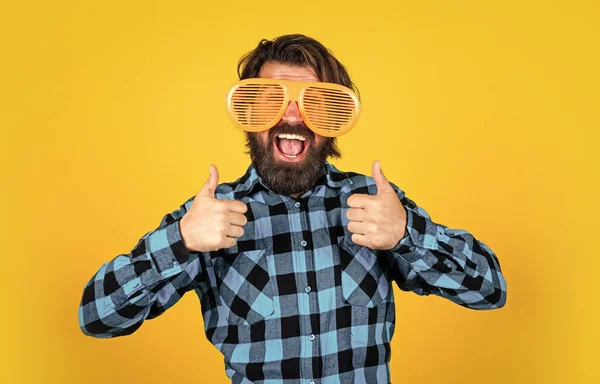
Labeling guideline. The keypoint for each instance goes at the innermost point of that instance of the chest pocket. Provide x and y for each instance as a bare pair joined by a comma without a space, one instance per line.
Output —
365,280
245,286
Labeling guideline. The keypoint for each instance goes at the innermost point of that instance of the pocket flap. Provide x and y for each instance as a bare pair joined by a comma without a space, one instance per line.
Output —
365,281
245,286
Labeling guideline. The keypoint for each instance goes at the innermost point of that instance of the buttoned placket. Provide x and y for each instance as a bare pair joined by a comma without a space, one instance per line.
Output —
308,344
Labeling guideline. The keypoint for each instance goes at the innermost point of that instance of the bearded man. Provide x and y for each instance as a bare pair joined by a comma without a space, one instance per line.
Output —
293,262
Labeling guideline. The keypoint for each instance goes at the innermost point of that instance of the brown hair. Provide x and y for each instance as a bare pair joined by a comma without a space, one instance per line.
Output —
295,49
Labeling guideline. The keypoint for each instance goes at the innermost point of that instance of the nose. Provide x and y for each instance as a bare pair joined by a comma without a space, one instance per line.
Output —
292,113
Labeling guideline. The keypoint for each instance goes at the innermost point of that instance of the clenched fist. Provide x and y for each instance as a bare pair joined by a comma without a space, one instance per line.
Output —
212,224
377,221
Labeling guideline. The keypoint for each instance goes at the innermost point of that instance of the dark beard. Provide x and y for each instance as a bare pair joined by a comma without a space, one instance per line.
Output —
290,178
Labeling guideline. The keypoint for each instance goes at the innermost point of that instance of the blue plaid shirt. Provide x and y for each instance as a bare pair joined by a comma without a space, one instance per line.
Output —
295,300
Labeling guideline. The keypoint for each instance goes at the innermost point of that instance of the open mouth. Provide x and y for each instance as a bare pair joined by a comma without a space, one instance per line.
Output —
291,147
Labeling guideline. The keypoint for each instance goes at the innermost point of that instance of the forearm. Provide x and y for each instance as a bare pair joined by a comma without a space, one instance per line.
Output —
451,263
120,296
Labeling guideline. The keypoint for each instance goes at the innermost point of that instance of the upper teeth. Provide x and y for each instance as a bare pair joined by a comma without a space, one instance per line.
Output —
291,137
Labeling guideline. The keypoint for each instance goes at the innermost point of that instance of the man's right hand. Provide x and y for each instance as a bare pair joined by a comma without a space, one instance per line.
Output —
212,224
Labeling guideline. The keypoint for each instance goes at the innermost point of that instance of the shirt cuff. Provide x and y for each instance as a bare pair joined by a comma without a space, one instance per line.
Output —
420,232
405,244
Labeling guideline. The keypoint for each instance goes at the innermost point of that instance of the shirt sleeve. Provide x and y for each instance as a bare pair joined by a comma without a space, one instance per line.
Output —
142,284
434,259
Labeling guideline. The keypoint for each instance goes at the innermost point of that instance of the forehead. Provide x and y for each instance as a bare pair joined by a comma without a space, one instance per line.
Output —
274,70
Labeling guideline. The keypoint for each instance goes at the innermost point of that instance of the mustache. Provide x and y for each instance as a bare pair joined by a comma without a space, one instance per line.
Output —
295,129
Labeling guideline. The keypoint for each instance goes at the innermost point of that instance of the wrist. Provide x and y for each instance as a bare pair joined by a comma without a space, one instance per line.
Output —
183,232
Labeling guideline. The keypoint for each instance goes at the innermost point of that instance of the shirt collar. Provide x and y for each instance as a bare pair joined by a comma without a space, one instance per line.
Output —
331,176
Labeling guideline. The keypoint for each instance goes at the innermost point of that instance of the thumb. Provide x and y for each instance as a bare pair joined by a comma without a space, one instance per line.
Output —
383,185
209,187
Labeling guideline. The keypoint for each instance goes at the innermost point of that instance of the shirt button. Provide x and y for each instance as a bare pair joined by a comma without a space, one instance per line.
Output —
312,382
307,289
297,205
175,264
303,243
311,337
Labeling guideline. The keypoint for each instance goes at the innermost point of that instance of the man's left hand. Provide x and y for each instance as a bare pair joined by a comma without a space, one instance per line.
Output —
377,221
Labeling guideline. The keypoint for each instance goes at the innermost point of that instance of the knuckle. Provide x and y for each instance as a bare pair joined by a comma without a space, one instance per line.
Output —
351,227
357,240
223,208
218,221
354,200
236,205
213,208
240,217
351,213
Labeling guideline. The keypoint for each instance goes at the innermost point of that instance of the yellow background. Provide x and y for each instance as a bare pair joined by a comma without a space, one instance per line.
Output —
485,113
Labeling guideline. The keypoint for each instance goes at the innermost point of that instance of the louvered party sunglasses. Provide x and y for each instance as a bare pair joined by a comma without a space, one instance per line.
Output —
258,104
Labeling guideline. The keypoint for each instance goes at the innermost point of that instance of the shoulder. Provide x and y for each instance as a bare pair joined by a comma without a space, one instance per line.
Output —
361,183
352,182
239,188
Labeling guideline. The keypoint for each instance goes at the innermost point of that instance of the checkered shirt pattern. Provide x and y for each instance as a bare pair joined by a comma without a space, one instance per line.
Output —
295,300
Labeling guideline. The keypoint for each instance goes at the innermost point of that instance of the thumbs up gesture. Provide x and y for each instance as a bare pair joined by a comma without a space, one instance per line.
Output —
377,221
212,224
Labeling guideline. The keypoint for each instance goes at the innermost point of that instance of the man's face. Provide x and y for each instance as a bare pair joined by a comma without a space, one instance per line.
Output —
289,157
